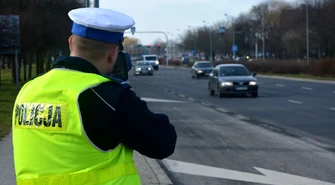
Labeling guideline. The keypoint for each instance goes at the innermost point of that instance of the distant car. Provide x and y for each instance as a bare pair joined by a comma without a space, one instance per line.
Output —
232,79
201,69
152,59
143,68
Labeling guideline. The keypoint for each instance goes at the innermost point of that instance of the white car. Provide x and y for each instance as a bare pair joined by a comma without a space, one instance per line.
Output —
152,59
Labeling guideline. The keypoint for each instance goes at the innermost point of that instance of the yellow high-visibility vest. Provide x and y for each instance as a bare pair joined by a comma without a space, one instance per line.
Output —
49,141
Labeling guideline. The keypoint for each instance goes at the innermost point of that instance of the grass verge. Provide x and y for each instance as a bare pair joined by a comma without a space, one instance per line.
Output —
8,93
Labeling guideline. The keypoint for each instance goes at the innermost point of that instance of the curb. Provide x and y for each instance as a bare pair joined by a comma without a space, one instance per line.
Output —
150,171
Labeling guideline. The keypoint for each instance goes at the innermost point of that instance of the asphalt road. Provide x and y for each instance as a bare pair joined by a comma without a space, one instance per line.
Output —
210,135
303,108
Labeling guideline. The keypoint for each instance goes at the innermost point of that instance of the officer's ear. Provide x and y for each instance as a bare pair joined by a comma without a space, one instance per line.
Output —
70,43
112,55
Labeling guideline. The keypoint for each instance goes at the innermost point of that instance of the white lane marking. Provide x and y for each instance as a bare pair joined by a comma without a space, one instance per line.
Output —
293,101
181,95
205,104
280,85
332,109
242,117
334,92
160,100
221,110
191,99
307,88
267,176
263,95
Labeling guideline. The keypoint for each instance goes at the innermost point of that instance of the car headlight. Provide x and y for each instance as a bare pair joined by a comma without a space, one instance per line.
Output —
252,83
138,69
157,62
149,68
199,71
226,84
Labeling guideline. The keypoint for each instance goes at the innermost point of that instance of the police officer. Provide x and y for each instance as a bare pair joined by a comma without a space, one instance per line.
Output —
72,125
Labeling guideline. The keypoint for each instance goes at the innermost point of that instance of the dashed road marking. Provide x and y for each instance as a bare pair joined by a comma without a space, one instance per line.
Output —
205,104
280,85
181,95
334,92
242,117
307,88
191,99
293,101
332,109
263,95
221,110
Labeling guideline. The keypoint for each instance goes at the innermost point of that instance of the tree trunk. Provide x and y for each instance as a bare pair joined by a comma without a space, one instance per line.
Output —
1,62
25,66
9,62
30,63
13,67
48,62
37,63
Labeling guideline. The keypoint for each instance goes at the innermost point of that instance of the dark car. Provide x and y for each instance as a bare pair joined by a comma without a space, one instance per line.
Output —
201,69
232,79
143,68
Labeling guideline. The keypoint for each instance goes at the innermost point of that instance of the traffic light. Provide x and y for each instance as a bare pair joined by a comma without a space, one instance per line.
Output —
139,46
149,46
159,45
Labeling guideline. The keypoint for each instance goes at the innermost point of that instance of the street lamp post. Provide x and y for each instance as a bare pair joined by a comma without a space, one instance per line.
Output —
195,40
307,33
233,25
210,44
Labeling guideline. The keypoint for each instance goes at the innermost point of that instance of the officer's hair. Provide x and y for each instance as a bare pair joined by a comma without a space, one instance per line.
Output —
90,49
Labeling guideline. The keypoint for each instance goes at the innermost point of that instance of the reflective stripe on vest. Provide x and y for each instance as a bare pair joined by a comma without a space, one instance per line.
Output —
85,178
49,142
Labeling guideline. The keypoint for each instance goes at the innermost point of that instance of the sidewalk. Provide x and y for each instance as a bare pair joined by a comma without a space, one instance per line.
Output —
150,171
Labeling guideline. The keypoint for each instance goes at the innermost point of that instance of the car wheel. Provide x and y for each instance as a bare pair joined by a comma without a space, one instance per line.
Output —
210,91
254,95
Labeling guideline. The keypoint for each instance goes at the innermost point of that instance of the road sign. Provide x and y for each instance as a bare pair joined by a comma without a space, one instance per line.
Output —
269,177
222,29
133,29
234,48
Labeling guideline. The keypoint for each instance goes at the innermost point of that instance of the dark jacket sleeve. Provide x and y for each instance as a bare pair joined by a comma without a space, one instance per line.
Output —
148,133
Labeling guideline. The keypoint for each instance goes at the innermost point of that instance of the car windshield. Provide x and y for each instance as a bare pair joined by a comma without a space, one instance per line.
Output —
151,58
203,65
234,71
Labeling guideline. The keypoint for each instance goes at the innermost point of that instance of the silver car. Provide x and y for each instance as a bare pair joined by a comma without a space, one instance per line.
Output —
143,68
232,79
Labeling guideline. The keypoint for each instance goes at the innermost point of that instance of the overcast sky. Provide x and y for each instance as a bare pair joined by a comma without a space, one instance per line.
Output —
171,15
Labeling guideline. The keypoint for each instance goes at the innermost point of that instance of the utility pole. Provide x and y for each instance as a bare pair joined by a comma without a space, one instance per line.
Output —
263,35
256,46
307,33
233,25
210,43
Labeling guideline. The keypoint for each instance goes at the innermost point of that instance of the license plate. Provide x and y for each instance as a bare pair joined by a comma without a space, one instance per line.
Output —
207,73
241,88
